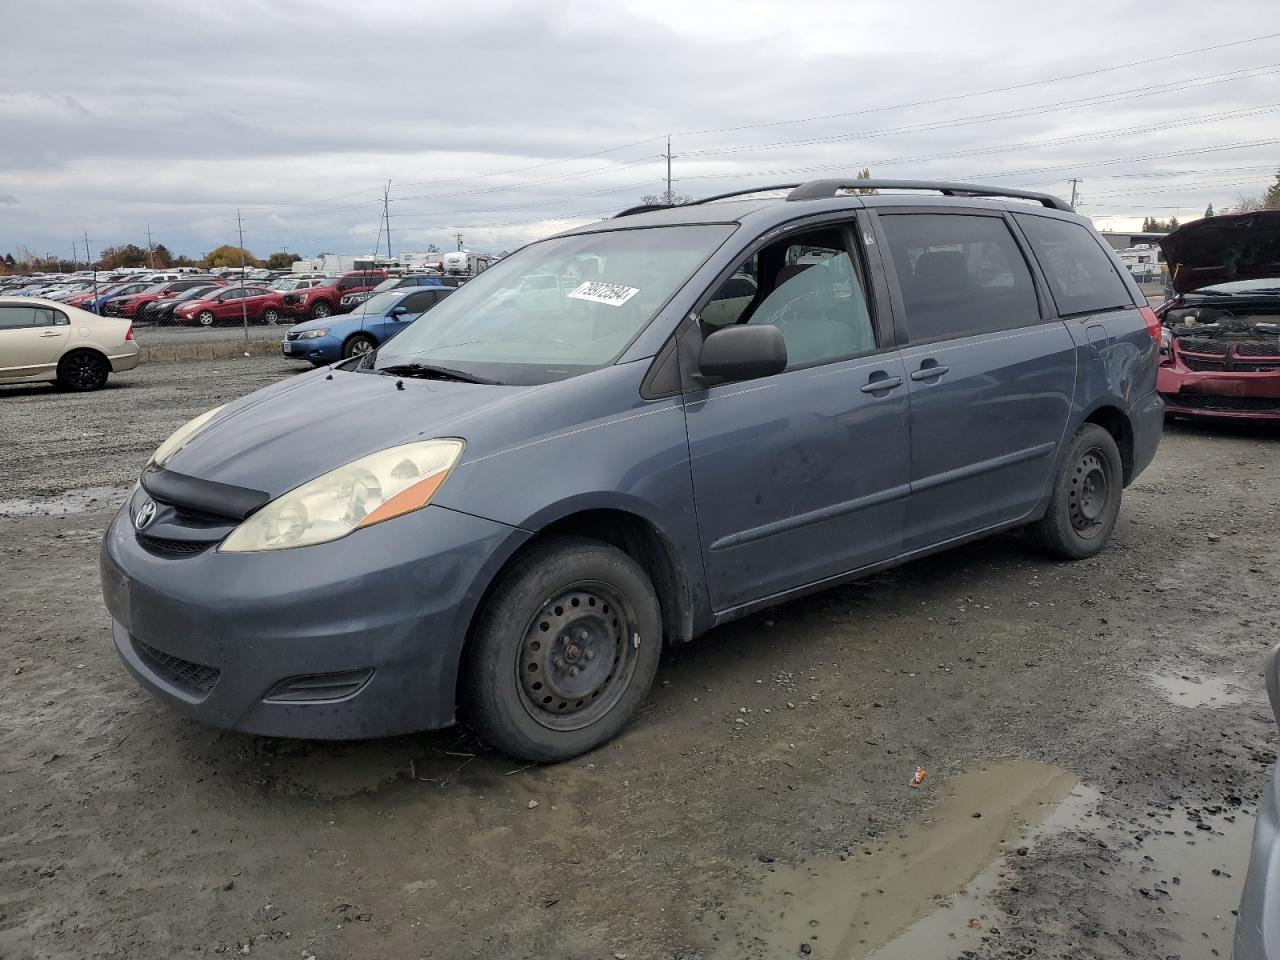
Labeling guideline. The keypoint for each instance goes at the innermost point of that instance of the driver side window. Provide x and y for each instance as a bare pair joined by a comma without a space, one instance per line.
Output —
809,288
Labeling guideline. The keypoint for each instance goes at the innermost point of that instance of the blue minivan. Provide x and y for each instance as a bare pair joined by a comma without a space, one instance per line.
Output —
372,323
504,512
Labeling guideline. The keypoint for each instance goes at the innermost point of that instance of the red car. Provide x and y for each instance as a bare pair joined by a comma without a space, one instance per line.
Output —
1220,346
231,306
130,305
318,302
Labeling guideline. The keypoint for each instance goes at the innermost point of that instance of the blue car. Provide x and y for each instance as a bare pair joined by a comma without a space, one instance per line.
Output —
509,511
371,324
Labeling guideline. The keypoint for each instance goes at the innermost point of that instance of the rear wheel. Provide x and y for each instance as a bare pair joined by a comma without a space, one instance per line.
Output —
1085,501
83,370
564,651
359,343
205,318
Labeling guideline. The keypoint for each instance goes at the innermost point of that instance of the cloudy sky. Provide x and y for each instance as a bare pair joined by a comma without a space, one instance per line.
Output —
506,121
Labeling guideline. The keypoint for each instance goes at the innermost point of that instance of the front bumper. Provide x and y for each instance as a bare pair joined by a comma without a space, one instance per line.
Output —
321,350
1258,926
1236,395
215,635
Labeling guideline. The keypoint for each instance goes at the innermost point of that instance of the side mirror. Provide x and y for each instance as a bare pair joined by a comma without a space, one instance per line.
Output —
743,352
399,311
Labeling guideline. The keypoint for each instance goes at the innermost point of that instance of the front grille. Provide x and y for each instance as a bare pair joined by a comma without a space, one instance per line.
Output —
194,678
1209,345
1259,348
1199,363
292,299
177,548
1220,404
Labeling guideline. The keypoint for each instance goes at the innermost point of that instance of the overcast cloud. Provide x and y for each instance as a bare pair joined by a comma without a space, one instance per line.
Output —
115,116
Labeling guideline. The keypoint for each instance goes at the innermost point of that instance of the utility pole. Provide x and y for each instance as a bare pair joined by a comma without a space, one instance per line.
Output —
1075,182
459,236
151,251
386,215
75,264
244,307
668,156
88,261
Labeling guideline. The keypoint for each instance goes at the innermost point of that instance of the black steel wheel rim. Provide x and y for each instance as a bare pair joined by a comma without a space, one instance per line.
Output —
84,371
1092,486
577,656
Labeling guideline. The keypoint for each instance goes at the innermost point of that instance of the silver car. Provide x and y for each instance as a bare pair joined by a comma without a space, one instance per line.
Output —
1258,927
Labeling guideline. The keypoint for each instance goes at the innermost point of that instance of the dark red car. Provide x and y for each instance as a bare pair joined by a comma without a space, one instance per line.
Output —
232,305
130,305
1220,347
325,301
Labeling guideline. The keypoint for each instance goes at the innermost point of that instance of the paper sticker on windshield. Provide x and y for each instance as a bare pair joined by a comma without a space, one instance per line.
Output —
614,294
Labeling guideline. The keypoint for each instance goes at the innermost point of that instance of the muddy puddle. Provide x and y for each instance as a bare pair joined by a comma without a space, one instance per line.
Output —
926,889
73,501
1198,690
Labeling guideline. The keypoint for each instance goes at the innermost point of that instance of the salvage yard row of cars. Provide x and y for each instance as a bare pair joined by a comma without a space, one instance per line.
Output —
664,355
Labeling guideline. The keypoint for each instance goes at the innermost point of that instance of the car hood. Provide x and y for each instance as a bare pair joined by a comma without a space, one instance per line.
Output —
294,431
1234,246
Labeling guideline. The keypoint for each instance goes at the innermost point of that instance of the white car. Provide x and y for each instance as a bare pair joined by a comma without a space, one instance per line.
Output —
44,340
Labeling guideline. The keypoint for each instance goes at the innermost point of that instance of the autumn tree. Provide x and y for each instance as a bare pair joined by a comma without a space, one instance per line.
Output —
128,255
230,256
864,174
667,198
1271,198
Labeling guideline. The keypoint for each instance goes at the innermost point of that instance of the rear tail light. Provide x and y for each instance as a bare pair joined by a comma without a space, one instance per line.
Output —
1152,321
129,335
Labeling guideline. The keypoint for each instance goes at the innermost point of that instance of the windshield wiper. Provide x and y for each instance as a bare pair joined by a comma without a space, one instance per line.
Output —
429,371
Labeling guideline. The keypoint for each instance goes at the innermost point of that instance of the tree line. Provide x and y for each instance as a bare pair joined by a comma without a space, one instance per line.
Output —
159,258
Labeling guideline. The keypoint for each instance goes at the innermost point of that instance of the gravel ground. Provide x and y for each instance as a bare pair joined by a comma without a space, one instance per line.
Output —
151,336
1106,718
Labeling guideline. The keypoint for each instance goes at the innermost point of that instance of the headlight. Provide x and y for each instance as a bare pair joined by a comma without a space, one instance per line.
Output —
383,485
313,334
178,439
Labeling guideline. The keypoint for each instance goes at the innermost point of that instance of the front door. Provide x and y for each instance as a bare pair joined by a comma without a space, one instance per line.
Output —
801,476
991,377
31,340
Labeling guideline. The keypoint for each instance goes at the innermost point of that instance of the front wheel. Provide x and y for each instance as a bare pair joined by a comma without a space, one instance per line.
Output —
205,318
1085,500
271,315
564,652
361,343
321,310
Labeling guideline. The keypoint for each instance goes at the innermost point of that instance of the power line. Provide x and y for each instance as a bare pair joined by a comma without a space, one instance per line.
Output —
982,93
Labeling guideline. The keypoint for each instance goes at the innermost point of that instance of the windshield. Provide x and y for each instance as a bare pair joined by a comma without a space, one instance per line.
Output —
288,283
560,307
389,284
1257,285
379,302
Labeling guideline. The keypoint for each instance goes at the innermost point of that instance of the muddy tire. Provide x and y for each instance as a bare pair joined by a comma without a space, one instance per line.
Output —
1085,499
83,370
564,651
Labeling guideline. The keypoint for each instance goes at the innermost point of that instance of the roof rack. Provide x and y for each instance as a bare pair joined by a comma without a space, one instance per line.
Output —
650,207
821,189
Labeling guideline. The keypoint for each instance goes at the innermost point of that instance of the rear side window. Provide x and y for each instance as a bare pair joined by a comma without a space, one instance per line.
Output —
1082,278
17,318
959,275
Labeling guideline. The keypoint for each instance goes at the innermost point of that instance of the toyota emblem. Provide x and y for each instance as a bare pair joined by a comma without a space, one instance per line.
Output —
146,513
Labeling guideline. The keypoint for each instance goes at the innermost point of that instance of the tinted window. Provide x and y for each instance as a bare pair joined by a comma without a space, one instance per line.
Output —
1082,277
960,275
418,302
15,318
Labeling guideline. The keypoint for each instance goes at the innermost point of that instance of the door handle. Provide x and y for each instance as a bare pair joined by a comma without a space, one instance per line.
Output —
881,381
51,333
929,370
